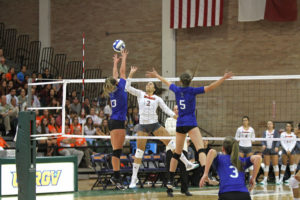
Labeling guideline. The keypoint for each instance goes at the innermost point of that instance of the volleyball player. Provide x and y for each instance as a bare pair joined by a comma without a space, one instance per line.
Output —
288,151
245,146
270,152
231,169
294,184
297,148
118,98
148,102
186,122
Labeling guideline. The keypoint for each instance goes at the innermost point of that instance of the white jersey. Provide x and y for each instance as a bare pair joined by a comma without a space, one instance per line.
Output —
269,135
170,126
243,133
148,105
288,145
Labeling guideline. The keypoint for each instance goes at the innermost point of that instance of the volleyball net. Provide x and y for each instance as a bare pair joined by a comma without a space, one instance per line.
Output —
219,112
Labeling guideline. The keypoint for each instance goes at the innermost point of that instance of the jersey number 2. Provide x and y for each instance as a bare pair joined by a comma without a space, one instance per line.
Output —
235,172
113,103
182,104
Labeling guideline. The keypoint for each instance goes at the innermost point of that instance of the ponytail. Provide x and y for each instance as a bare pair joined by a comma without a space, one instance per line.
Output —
109,86
231,147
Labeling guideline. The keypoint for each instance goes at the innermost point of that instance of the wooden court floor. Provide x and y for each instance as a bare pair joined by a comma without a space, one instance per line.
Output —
270,192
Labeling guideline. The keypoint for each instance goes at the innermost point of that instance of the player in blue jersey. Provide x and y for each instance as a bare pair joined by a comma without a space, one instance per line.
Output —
118,99
186,122
230,168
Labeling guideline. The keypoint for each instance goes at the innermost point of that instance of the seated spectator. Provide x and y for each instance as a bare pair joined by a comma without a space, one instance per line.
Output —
71,116
135,115
3,88
21,75
68,123
38,118
104,127
96,120
89,128
46,74
69,142
45,114
75,106
9,75
68,106
81,142
53,127
54,103
3,66
12,94
107,111
102,100
36,101
8,114
42,145
87,105
15,83
95,106
75,124
82,117
73,94
3,144
22,98
10,85
45,95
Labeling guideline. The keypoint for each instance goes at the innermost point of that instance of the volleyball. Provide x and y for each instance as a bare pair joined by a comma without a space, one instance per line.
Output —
118,45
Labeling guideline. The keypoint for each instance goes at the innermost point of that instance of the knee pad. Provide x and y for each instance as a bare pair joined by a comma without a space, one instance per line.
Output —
294,184
292,168
171,145
251,167
117,153
139,153
176,156
201,151
266,169
276,168
283,167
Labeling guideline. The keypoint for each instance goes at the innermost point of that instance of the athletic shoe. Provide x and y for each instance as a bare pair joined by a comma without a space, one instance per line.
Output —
133,182
170,184
117,183
278,182
263,182
187,193
170,193
192,166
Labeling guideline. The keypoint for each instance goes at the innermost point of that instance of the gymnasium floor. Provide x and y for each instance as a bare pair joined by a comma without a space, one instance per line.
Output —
271,192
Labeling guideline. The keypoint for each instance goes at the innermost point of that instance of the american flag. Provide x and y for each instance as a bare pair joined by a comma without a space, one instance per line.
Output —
193,13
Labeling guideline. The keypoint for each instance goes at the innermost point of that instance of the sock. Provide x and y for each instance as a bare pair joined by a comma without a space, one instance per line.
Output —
117,174
277,178
172,174
185,160
265,179
135,170
281,177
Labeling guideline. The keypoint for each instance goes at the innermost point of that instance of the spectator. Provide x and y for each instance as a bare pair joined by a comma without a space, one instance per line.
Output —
95,106
38,118
9,75
135,116
82,117
102,100
75,106
3,144
87,106
107,111
53,127
96,120
45,95
22,98
3,66
8,114
12,94
101,115
36,101
52,142
46,74
68,124
3,88
16,83
45,114
43,129
68,142
73,94
21,75
104,127
81,142
89,128
75,124
54,103
68,106
71,116
10,85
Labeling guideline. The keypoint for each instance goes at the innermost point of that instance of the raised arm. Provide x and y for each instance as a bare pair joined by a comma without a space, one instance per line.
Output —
154,74
212,154
217,83
256,161
124,53
129,88
115,67
165,108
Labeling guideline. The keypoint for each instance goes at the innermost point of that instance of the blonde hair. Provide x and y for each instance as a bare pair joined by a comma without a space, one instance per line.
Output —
109,86
231,147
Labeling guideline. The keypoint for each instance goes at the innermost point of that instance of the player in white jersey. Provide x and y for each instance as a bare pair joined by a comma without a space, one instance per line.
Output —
288,151
245,146
270,152
148,123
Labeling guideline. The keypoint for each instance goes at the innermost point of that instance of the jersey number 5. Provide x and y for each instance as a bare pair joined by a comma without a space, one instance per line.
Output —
235,172
182,104
113,103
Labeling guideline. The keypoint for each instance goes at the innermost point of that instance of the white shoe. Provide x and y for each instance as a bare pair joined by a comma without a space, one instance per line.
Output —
263,182
278,182
191,166
287,181
133,182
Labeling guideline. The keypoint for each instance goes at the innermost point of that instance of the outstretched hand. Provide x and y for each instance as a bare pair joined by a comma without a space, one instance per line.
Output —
203,180
124,53
252,184
116,59
133,69
228,75
152,74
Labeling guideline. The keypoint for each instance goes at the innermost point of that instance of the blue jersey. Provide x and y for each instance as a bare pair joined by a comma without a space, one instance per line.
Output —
186,102
118,100
231,180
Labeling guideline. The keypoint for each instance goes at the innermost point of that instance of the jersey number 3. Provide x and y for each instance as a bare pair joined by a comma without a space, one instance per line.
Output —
182,104
235,172
113,103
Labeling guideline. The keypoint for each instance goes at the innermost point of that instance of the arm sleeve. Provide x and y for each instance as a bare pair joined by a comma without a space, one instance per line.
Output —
132,90
173,88
283,143
198,90
165,108
264,143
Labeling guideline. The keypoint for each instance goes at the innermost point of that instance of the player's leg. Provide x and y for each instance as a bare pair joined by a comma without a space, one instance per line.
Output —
291,162
249,153
274,159
267,158
283,166
196,138
117,137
